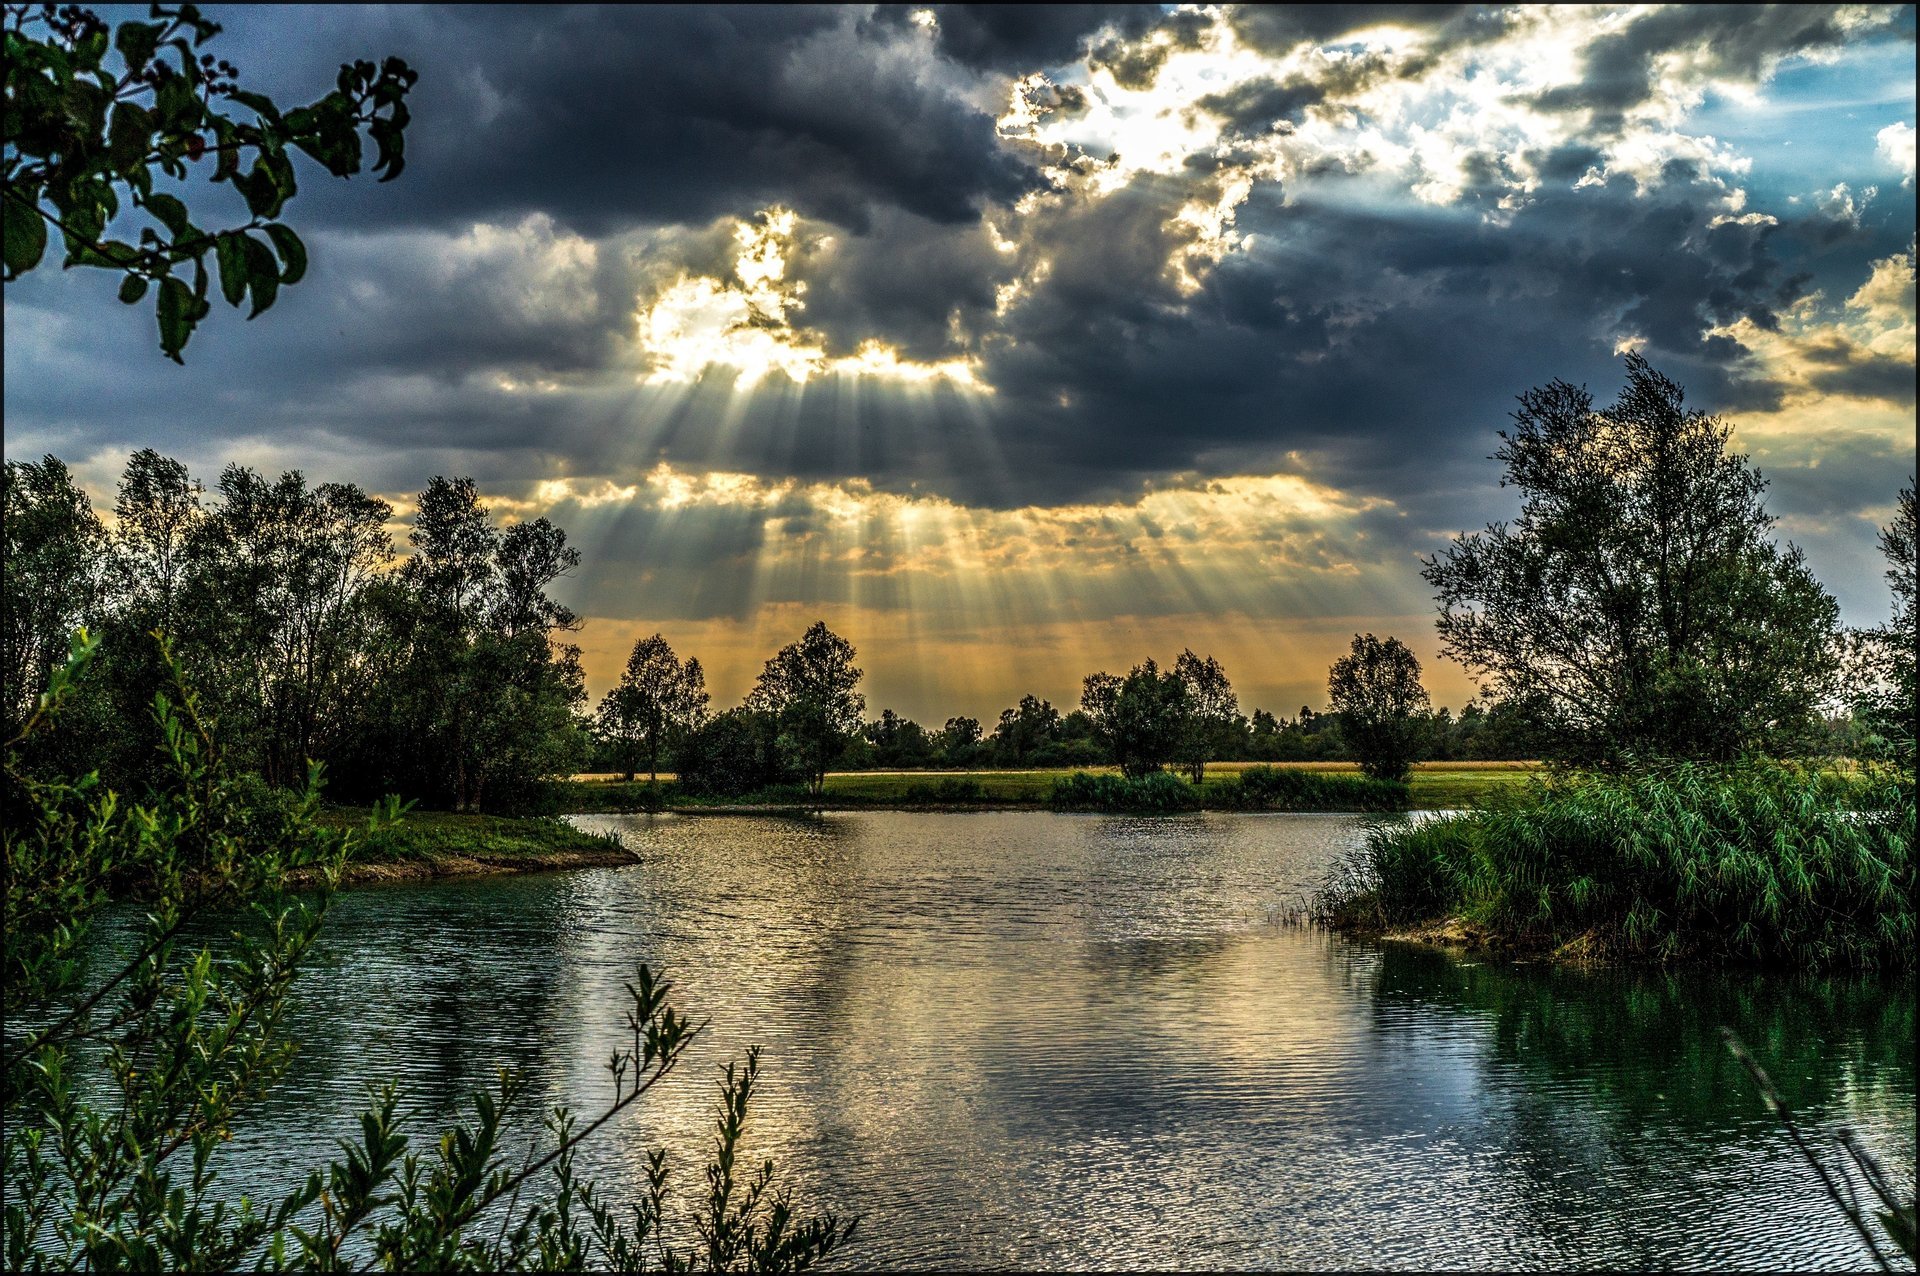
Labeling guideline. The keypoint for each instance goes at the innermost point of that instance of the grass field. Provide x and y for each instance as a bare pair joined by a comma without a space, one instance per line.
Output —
1435,785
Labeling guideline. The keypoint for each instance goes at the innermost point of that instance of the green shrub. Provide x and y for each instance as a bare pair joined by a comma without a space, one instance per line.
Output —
1266,788
1157,792
1758,862
951,791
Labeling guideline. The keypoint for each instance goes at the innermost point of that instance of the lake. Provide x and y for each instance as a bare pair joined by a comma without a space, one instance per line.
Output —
1020,1039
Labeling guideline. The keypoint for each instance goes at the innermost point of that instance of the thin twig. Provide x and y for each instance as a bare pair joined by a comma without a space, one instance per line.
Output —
1779,1109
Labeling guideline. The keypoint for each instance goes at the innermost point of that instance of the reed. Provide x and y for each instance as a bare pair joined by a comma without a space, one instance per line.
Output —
1759,862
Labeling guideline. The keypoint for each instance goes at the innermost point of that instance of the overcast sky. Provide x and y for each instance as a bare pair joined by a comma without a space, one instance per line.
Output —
1020,342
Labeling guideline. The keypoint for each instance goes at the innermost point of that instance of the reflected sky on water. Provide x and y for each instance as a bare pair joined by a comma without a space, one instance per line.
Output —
1026,1039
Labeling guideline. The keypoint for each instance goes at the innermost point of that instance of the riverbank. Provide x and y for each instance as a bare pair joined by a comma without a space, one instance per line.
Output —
1433,786
428,844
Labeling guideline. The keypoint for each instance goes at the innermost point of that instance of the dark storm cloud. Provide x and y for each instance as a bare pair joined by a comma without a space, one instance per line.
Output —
607,118
479,316
1019,38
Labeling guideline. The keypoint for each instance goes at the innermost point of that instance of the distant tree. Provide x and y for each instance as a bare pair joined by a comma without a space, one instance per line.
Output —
1382,706
1640,597
1882,667
1213,712
811,691
656,699
959,741
1023,729
730,754
1141,718
52,576
896,742
94,114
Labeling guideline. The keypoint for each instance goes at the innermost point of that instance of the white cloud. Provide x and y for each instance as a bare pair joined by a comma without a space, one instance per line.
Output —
1894,144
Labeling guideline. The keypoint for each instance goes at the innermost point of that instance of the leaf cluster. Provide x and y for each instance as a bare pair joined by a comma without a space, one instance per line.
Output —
103,118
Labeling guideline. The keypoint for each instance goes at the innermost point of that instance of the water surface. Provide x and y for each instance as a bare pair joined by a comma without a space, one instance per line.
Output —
1023,1039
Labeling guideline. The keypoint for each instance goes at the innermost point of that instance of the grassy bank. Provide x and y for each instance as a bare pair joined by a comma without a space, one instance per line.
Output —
450,844
1762,863
1434,786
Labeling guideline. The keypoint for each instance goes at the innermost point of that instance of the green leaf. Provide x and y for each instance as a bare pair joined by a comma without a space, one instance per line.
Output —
230,250
263,195
172,214
259,103
293,253
26,236
132,288
127,139
136,42
263,274
175,312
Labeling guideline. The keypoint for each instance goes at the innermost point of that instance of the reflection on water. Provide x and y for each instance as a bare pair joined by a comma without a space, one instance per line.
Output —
1024,1039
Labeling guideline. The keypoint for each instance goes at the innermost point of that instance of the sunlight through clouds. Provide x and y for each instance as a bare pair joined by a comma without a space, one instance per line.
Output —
749,324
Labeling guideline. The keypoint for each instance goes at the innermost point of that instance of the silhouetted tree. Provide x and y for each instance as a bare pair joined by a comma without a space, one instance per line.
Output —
52,576
811,691
1376,690
1884,657
1213,712
1639,597
1141,718
657,698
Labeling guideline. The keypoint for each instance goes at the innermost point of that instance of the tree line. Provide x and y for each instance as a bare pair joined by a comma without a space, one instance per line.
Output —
444,675
1638,608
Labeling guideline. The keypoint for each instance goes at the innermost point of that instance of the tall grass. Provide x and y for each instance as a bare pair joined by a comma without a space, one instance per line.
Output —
1761,862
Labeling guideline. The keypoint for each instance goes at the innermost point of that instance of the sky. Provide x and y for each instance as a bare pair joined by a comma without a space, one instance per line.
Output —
1020,342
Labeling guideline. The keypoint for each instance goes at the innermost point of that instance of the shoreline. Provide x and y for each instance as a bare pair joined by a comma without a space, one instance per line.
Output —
374,872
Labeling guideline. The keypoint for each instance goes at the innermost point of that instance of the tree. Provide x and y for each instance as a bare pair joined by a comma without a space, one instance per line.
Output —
1141,718
730,754
52,575
1377,693
94,115
1884,657
811,690
1213,712
960,741
1639,596
657,699
1023,729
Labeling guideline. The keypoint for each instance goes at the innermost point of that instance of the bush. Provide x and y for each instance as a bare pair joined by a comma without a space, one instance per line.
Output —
1155,793
1266,788
952,791
1758,862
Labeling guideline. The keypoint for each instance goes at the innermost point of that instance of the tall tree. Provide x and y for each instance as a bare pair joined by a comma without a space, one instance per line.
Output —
1640,595
657,699
1884,657
1141,719
811,690
1376,690
52,575
1213,712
